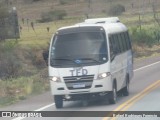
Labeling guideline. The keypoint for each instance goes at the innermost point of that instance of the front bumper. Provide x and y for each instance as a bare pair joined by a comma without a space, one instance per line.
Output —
98,86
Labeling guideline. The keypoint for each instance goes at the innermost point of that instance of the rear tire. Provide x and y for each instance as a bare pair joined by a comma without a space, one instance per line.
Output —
125,90
113,95
58,101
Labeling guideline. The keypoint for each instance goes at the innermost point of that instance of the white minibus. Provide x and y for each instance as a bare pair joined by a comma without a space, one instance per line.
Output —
90,60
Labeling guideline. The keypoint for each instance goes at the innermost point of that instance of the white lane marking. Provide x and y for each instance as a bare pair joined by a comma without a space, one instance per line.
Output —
18,118
47,106
40,109
43,108
146,66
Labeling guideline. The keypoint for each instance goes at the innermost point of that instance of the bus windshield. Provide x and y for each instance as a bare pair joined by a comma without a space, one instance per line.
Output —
79,48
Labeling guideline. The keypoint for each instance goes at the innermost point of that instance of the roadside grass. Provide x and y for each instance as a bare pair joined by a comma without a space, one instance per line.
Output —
16,89
40,36
5,101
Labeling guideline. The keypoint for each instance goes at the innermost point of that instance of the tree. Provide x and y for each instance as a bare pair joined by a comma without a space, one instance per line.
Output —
154,13
53,15
116,9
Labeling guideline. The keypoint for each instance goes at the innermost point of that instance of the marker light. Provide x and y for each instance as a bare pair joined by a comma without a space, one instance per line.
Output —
104,75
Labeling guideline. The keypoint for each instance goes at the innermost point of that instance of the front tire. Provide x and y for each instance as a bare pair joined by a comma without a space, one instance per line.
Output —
58,101
113,95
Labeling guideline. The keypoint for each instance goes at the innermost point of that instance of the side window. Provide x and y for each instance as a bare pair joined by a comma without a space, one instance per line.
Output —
116,44
120,43
127,40
124,42
111,46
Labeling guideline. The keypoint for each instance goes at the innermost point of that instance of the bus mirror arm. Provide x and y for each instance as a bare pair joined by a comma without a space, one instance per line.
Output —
45,56
112,57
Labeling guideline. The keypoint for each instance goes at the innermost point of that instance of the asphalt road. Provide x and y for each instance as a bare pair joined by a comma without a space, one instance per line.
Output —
144,96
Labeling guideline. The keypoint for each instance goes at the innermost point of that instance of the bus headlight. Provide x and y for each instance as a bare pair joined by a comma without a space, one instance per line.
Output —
104,75
55,79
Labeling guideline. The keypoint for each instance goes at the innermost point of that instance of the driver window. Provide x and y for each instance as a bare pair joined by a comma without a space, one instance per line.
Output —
111,47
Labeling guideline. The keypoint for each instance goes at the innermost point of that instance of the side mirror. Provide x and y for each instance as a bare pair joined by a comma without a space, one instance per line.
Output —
45,56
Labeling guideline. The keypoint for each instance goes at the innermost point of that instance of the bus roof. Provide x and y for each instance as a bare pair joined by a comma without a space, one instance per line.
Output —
110,25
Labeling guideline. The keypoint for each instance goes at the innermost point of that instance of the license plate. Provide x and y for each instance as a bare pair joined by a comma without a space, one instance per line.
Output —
78,85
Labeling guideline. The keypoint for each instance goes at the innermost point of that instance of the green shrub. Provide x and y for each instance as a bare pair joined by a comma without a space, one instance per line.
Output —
10,64
58,14
36,58
16,61
143,37
116,9
52,15
62,2
36,0
45,17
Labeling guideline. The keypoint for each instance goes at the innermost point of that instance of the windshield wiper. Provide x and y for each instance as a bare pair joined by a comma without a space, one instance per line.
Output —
65,59
61,59
90,59
74,61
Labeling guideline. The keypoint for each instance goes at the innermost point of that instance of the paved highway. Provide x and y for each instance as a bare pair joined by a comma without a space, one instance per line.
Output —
144,96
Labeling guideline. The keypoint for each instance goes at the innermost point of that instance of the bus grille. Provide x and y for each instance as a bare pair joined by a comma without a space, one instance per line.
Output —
79,82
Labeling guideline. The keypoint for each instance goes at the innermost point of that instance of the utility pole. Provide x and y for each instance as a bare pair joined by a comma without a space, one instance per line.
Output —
140,15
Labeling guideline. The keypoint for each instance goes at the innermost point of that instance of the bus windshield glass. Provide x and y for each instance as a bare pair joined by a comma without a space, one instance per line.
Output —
79,48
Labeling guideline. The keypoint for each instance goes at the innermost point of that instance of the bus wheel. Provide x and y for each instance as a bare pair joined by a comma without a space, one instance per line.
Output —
58,101
125,90
113,95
